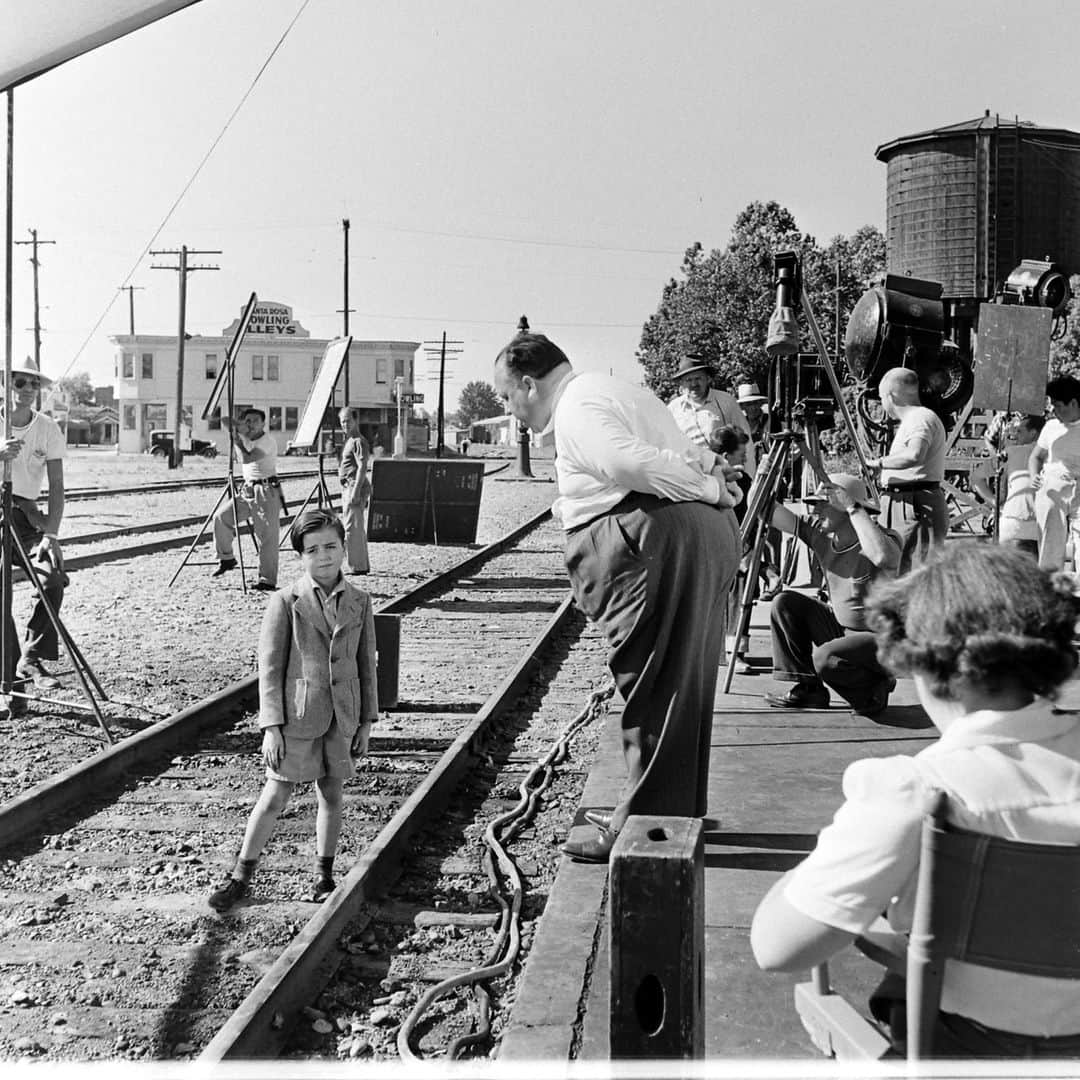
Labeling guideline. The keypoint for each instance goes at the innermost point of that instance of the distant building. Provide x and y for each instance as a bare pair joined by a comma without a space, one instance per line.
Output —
274,371
503,431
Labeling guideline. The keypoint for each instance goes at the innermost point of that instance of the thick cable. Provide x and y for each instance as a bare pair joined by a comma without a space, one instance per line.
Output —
508,938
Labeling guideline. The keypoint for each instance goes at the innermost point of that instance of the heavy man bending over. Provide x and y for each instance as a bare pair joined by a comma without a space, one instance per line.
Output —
651,550
36,451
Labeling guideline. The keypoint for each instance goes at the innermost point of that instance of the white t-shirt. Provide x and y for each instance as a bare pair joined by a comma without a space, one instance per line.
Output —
42,441
1062,445
266,466
922,434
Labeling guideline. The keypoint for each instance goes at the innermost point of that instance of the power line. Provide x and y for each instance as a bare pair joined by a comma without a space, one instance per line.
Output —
187,186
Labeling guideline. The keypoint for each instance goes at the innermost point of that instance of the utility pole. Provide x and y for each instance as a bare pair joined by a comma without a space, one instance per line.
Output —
346,309
433,349
177,454
34,241
524,466
130,290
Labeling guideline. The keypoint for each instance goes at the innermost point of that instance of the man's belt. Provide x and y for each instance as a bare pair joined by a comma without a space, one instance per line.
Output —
912,485
273,481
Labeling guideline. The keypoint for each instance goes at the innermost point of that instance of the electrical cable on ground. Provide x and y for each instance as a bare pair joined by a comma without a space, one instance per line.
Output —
508,939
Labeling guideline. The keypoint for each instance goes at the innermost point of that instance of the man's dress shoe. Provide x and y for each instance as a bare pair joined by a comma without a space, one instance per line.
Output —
600,818
594,850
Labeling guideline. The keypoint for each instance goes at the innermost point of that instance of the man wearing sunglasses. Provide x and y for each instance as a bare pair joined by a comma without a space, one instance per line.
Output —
35,449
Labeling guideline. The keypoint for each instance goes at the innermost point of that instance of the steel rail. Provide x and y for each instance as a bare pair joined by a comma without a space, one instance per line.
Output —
24,817
161,486
253,1030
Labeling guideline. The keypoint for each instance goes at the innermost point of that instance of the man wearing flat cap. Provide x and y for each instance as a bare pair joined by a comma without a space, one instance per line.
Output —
35,449
818,647
700,409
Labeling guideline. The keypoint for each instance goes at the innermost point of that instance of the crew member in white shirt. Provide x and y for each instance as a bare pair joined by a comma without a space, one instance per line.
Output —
1055,471
651,549
36,450
259,499
913,502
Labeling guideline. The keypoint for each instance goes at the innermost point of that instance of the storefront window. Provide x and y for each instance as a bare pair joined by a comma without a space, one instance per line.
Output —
399,367
213,421
275,417
129,417
290,417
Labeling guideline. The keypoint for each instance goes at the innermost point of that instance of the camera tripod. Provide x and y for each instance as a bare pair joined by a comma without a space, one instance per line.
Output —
799,401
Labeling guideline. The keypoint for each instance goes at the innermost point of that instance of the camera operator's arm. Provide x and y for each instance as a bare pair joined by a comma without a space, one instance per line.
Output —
1036,463
876,544
54,473
784,519
248,452
910,455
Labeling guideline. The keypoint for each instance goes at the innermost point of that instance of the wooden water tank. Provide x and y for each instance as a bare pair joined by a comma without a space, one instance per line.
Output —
966,203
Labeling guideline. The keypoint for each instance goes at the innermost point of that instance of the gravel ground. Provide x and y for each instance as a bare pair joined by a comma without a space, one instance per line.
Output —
157,649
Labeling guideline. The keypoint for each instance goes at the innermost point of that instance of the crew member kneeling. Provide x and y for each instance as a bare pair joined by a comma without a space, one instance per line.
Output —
819,647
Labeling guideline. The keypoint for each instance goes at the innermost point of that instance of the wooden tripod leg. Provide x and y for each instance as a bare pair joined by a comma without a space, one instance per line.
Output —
199,535
78,661
762,507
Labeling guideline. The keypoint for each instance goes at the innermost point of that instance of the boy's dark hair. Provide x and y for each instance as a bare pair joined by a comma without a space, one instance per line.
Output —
531,354
1064,388
312,521
978,617
256,412
729,438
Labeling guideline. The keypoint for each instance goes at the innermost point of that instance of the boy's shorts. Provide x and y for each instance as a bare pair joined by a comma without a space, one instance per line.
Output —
311,759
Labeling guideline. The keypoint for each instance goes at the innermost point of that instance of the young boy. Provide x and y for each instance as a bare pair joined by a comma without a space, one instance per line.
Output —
987,636
317,698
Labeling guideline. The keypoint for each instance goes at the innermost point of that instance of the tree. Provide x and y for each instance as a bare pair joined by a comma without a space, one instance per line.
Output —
78,386
1065,348
478,401
720,306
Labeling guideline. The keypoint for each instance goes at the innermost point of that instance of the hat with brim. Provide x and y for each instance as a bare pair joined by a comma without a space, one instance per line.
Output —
691,364
853,485
26,367
749,394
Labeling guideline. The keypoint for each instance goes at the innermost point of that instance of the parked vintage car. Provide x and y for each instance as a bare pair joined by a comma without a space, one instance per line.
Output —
161,444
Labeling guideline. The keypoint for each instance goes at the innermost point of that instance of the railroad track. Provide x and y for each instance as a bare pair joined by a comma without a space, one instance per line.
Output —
108,947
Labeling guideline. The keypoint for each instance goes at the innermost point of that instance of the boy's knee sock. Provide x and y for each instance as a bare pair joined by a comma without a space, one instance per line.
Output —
243,869
324,867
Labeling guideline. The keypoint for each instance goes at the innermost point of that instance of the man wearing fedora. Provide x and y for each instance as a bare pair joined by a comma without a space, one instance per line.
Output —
35,449
818,647
700,409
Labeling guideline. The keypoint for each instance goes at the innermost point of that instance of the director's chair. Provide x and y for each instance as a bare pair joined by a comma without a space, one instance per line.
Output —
985,900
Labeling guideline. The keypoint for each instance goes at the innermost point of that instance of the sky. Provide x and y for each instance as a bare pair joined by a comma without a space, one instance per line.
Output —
494,158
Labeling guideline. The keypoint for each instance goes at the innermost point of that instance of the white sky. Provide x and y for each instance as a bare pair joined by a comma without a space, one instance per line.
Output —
494,157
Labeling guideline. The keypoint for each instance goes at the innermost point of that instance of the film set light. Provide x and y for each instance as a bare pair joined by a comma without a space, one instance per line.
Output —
1038,283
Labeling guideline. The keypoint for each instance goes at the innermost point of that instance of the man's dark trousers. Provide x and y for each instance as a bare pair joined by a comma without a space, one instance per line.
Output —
809,644
654,576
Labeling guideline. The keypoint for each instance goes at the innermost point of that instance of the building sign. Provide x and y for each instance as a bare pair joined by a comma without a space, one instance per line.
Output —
270,320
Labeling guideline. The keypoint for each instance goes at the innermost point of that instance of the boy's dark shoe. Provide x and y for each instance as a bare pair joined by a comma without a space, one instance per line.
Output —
323,888
11,707
224,567
803,695
33,671
229,893
264,586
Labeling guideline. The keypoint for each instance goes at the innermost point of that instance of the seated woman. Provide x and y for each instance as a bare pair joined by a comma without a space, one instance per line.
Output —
987,637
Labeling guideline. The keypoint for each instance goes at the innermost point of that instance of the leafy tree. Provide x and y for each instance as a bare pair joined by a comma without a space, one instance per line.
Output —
78,386
478,401
721,304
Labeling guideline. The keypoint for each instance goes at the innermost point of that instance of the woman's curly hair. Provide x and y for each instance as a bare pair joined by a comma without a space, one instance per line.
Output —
978,617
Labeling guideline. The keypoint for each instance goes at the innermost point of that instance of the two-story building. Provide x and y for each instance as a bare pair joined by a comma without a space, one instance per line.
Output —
273,370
